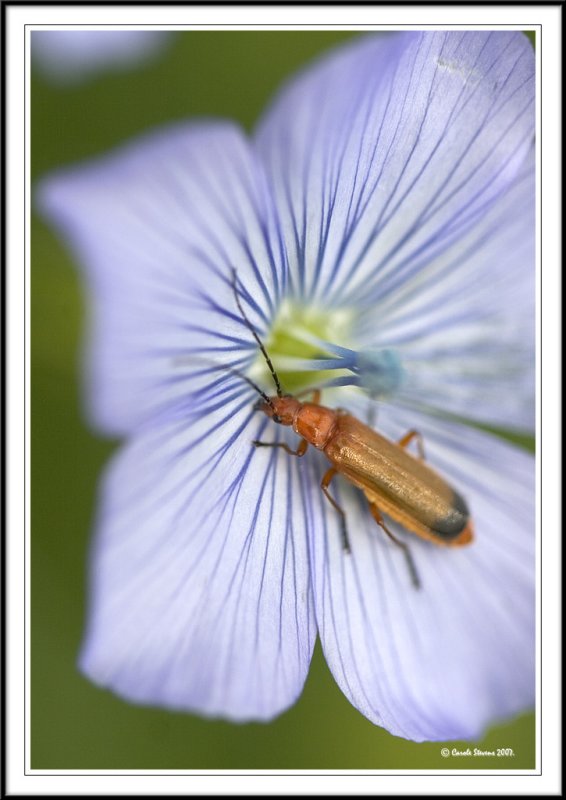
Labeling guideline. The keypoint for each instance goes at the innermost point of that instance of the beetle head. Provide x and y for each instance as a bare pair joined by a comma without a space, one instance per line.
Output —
280,409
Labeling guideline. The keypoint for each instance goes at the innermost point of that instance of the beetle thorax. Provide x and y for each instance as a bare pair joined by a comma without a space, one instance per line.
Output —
315,424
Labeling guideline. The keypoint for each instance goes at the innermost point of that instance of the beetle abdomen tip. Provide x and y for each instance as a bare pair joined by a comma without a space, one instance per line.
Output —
455,527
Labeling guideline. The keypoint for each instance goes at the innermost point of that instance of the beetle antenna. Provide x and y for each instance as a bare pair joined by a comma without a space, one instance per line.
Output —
253,385
234,371
245,378
255,335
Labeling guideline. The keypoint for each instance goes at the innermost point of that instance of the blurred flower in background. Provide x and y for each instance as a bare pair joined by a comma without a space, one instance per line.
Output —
381,221
71,56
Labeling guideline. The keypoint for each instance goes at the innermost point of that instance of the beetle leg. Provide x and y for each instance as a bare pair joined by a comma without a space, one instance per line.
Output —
315,400
300,451
376,514
316,393
324,484
408,437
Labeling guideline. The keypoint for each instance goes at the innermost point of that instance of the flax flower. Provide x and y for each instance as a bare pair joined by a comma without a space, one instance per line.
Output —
381,223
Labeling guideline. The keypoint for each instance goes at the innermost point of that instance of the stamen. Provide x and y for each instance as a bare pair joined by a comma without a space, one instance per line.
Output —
378,372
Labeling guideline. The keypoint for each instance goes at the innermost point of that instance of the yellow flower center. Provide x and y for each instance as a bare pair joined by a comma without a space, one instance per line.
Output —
292,339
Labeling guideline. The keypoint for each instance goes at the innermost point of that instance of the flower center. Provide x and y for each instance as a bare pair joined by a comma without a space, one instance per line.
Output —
311,346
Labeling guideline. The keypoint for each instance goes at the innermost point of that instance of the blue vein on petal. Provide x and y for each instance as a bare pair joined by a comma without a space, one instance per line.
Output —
172,235
229,223
376,183
369,627
270,472
245,548
458,260
326,593
184,451
389,284
333,166
378,225
454,167
446,236
223,501
275,274
378,543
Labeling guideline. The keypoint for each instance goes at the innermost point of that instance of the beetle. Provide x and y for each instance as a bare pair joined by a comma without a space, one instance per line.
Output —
392,480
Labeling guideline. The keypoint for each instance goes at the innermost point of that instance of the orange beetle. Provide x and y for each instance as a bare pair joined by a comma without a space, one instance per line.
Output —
392,480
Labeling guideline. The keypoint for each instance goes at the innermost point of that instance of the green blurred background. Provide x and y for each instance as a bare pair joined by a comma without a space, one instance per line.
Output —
75,725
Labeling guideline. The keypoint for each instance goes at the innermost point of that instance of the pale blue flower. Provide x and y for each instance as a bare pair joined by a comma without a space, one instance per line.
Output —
381,222
70,56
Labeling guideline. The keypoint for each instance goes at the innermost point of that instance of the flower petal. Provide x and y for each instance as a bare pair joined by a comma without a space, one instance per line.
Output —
159,227
444,661
403,174
467,340
200,596
69,56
